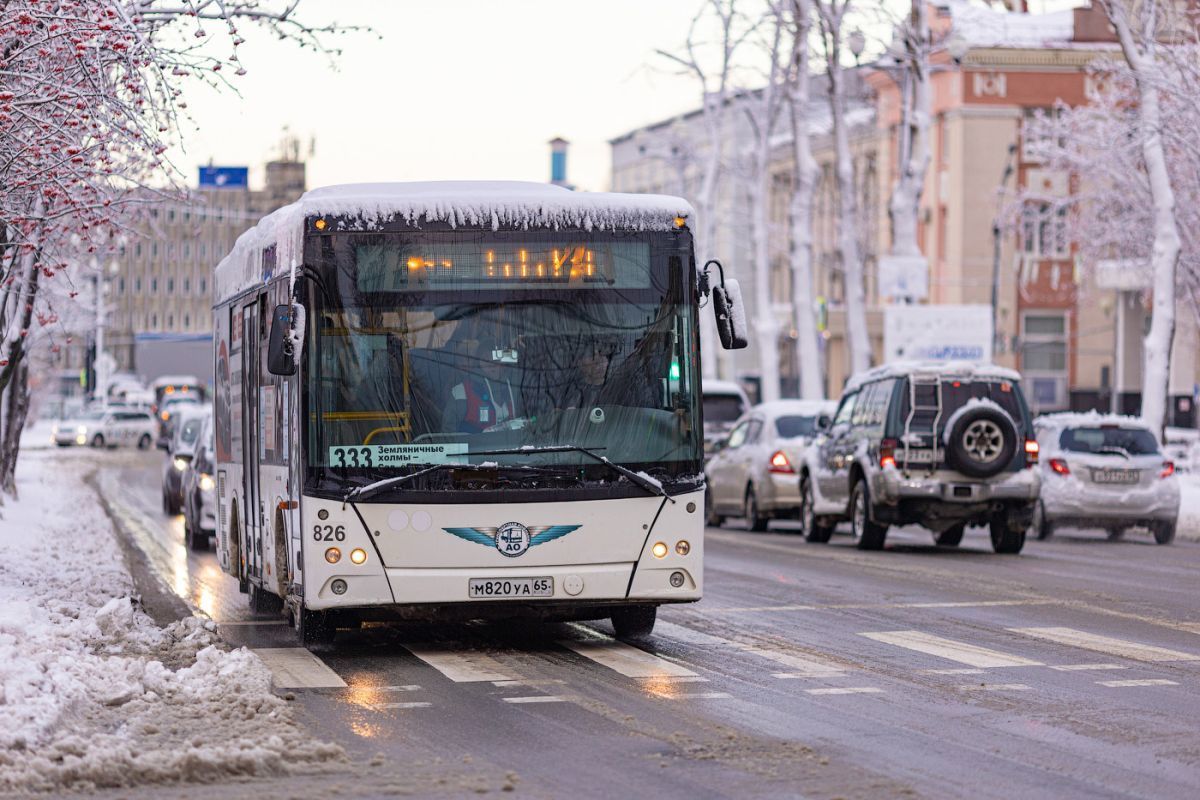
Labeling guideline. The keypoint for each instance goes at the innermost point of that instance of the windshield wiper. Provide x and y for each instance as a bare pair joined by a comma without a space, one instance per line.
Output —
644,481
1114,449
372,489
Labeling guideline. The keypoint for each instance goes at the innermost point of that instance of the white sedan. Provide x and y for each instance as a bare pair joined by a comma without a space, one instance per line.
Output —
754,472
107,428
1104,471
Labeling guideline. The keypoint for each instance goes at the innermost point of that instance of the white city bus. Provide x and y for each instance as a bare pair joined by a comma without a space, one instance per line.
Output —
463,400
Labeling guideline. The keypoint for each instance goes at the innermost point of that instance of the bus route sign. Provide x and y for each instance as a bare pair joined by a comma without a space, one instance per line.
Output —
397,455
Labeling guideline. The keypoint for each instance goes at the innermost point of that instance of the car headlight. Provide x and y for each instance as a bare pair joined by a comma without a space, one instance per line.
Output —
54,430
207,484
181,464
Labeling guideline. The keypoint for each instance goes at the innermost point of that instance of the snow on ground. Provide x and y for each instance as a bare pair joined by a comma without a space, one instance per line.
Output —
92,691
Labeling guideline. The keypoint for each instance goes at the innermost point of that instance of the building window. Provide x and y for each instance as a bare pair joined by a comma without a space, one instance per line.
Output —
137,285
121,285
170,321
153,321
1044,231
154,249
187,284
187,322
170,285
153,285
1045,359
1038,134
203,285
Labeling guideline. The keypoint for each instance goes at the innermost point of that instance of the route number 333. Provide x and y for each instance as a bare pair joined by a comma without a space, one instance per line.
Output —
329,533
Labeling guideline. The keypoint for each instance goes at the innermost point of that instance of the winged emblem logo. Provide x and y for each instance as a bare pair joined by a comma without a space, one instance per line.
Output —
512,539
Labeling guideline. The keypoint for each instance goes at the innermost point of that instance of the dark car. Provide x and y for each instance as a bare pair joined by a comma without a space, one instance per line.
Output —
180,449
200,491
942,445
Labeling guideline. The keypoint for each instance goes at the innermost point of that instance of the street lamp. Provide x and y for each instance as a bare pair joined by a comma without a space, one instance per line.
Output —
857,44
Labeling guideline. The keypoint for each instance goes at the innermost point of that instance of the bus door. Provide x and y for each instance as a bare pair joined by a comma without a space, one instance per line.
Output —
251,442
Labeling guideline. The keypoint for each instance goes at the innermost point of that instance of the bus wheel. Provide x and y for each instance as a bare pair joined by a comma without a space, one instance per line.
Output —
264,602
634,622
313,627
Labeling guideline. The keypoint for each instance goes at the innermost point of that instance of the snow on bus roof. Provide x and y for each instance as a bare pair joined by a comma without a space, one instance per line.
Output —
945,369
479,204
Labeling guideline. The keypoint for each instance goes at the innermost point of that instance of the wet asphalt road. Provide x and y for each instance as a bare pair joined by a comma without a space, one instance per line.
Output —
807,671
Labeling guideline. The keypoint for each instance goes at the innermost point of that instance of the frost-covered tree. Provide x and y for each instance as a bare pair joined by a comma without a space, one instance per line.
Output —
1134,168
798,18
91,93
710,55
832,15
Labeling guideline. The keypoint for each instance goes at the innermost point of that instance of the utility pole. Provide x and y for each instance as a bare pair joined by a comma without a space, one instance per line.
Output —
997,345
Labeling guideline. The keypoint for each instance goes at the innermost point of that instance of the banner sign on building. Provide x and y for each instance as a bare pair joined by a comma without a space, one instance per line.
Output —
225,177
937,333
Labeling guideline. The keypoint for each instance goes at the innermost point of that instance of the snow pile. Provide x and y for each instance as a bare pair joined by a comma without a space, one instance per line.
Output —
982,26
1188,526
92,692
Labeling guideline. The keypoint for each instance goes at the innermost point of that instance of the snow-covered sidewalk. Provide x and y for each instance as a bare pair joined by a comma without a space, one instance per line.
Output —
92,691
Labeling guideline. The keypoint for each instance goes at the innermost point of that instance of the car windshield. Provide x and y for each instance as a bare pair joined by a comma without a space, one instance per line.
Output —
793,426
92,416
190,430
486,348
722,408
1108,439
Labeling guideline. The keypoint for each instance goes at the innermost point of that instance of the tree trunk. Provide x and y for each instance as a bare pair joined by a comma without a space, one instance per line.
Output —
1167,243
766,326
16,409
857,340
804,181
914,157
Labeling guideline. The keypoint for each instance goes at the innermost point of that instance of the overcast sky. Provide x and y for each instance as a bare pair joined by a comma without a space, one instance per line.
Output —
455,89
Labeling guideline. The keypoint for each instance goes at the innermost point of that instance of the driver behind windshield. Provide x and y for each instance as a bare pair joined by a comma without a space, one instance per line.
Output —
484,397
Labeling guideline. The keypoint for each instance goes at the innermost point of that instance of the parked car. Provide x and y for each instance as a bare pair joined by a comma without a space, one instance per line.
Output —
944,445
752,473
1104,471
180,450
78,428
724,404
111,427
200,491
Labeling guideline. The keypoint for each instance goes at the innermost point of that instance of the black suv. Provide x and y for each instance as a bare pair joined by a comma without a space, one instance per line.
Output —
933,444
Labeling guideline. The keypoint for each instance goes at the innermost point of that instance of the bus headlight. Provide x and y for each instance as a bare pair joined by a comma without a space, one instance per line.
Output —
333,555
207,484
180,464
659,550
358,555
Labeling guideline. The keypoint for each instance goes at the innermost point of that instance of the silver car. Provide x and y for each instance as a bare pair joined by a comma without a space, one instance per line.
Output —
1102,471
754,472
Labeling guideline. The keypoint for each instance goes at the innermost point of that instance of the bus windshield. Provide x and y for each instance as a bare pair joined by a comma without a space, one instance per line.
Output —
489,349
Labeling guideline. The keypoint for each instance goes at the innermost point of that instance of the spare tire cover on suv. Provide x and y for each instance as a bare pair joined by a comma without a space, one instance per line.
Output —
981,441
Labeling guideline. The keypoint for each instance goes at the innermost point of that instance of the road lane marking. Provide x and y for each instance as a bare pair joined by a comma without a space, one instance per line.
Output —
995,687
692,695
1106,644
866,606
527,683
962,652
388,706
797,665
1084,667
963,671
1139,682
625,659
537,698
461,666
845,690
297,668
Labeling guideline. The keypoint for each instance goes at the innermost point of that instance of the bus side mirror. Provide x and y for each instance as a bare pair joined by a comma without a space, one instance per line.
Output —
280,358
730,314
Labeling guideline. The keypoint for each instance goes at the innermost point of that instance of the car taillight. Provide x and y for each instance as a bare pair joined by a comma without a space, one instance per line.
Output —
1059,466
1168,469
780,463
887,453
1031,452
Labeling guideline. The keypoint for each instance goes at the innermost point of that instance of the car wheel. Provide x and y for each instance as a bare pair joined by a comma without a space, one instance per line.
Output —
197,539
314,628
952,536
634,622
755,519
1164,532
144,442
97,441
869,534
1042,528
982,441
815,529
1005,540
711,518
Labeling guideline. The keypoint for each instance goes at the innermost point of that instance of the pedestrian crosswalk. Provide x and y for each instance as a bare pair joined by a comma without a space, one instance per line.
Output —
685,663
